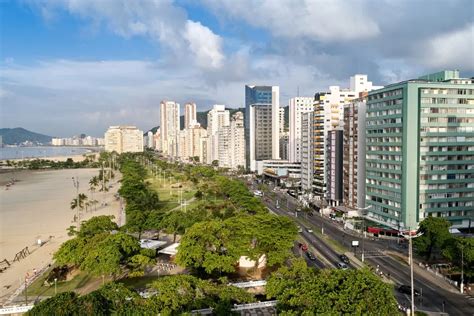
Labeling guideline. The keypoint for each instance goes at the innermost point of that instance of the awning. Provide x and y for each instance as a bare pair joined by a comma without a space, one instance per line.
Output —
170,250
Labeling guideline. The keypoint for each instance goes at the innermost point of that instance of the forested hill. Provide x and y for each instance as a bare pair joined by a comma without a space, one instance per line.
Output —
18,135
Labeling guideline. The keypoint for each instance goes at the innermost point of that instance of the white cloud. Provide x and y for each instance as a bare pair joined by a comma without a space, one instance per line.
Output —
323,20
160,20
205,45
453,49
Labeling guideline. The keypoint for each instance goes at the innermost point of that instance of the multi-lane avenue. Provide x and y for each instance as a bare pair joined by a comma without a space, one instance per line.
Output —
435,296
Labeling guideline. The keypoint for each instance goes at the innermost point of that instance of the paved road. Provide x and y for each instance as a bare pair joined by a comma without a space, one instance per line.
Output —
433,295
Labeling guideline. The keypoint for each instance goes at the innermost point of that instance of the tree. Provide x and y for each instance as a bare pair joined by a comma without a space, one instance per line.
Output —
138,264
300,290
97,225
178,294
105,253
459,251
209,246
173,223
435,234
79,201
62,304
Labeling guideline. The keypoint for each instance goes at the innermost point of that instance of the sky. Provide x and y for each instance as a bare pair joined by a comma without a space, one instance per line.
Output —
77,66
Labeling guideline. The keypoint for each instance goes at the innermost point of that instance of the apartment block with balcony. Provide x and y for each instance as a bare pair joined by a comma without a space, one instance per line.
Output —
420,151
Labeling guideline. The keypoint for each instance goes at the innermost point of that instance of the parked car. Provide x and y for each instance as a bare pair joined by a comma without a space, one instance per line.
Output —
258,193
300,230
344,258
311,256
303,247
406,289
309,230
342,266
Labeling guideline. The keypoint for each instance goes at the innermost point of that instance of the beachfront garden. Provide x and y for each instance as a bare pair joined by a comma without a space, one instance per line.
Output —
217,221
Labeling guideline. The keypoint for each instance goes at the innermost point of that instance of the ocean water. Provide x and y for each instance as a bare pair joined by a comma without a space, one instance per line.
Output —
40,152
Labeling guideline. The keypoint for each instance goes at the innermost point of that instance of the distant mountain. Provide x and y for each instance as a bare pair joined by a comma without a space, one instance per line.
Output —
19,135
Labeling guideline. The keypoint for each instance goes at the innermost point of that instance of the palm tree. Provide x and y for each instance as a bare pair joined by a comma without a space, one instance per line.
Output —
79,201
93,184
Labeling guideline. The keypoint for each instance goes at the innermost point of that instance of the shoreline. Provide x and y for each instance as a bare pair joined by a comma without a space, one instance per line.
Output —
37,207
55,156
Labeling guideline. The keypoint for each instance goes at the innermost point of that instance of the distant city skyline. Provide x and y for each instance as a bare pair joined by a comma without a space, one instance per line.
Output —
79,66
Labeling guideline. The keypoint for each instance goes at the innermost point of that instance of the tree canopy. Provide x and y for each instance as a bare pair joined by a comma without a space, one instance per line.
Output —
300,290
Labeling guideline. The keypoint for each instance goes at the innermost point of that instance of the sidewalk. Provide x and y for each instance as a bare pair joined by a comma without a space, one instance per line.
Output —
436,279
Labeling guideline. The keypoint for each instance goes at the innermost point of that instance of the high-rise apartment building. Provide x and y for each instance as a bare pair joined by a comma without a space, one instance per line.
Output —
169,128
150,140
297,106
194,133
123,139
217,118
318,148
334,150
354,153
420,151
189,114
232,143
307,152
262,124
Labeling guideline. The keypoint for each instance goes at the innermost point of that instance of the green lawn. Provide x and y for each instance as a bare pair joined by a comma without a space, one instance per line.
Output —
168,194
138,282
38,288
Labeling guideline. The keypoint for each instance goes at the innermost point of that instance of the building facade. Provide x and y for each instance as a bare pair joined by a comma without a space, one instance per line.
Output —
307,152
354,153
334,150
420,151
217,118
262,124
189,114
123,139
297,106
232,143
169,128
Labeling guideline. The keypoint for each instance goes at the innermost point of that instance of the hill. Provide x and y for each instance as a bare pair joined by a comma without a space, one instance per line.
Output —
19,135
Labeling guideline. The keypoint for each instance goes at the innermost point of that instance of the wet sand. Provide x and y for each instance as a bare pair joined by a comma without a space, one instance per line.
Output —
38,207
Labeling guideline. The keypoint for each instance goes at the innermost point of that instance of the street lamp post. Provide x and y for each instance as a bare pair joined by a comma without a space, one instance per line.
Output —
410,238
364,235
462,269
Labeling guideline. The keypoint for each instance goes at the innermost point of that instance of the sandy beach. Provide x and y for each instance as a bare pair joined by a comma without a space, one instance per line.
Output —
38,207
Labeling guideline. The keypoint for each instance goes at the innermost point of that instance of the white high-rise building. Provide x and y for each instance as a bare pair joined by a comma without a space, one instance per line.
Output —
232,143
151,142
194,133
123,139
262,124
359,83
297,107
169,128
217,118
189,114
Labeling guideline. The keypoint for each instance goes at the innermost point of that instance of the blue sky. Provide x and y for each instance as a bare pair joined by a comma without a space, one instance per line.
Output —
77,66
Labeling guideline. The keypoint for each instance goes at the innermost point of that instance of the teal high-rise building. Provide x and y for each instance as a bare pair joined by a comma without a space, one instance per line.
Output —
420,151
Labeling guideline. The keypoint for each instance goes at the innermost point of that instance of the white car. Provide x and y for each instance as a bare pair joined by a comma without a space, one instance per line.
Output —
258,193
342,266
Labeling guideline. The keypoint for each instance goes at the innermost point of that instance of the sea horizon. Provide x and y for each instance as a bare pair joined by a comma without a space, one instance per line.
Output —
19,152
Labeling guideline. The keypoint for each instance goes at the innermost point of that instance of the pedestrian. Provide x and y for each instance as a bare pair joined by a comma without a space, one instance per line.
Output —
34,271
